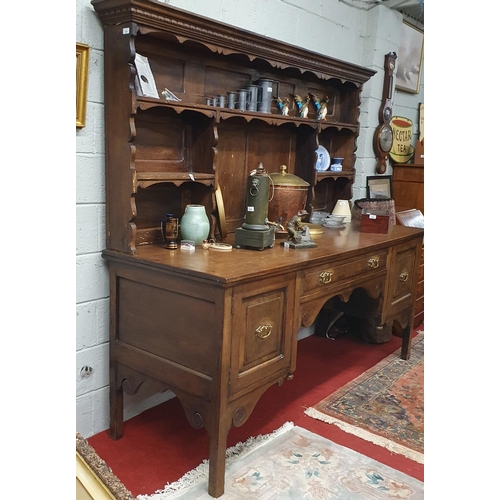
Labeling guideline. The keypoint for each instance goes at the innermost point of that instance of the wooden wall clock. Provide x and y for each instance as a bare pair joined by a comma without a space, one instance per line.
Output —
383,138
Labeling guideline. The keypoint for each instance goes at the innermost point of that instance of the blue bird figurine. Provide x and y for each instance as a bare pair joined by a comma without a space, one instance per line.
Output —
283,105
302,105
320,106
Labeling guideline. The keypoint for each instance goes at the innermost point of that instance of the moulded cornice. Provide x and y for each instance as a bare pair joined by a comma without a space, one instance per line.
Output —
150,16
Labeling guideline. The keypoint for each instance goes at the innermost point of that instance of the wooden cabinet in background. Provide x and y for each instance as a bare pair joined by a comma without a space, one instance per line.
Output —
408,194
415,218
408,186
418,319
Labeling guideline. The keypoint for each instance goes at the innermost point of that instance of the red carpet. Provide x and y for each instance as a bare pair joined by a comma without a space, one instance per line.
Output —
159,446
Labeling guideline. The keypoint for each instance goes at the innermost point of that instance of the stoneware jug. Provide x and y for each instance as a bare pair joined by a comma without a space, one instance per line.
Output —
195,225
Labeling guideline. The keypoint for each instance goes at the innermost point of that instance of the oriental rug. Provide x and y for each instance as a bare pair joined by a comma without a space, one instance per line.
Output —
294,463
384,405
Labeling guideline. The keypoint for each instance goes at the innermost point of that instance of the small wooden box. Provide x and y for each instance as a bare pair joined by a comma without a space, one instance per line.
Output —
374,221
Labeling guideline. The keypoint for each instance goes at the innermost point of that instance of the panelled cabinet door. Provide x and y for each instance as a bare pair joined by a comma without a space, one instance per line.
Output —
403,278
262,330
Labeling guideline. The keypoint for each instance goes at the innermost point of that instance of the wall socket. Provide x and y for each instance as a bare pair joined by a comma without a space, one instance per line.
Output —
86,371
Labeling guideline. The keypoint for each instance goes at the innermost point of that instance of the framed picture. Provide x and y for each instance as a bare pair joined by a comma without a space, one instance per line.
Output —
82,70
379,187
409,62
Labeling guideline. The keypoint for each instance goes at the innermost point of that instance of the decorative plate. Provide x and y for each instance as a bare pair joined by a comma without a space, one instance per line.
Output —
323,161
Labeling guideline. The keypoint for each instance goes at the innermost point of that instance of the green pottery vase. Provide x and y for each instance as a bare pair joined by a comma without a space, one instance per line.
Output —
195,225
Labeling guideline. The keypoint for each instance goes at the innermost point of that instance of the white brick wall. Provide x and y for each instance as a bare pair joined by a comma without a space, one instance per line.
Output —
334,28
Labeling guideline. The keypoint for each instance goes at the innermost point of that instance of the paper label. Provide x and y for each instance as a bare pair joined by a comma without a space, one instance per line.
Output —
250,209
371,216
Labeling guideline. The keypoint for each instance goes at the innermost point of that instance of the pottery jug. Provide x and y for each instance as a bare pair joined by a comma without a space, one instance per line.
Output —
195,225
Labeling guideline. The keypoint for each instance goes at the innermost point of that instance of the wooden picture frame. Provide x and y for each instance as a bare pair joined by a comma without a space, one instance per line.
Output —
410,56
379,187
82,70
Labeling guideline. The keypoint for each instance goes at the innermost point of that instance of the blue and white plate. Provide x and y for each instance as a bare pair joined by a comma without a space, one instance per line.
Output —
323,161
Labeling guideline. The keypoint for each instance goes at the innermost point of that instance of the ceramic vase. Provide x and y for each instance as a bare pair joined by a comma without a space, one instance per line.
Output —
195,225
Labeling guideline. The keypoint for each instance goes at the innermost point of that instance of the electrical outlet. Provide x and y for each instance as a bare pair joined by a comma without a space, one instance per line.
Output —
86,371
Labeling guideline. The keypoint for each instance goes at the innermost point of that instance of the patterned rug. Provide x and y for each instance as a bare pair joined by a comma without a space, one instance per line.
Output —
384,405
295,464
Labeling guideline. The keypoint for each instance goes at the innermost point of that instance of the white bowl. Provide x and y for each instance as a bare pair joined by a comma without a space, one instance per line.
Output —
318,217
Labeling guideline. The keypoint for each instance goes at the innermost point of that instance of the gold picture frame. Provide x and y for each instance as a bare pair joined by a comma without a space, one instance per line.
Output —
410,56
82,71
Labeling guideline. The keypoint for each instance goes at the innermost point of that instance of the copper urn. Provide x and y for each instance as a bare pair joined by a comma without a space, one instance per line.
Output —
288,196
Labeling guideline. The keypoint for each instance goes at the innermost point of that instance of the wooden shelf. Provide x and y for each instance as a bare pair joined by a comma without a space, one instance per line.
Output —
220,113
147,179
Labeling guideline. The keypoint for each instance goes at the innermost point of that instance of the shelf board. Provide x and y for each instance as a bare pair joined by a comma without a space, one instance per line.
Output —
331,173
146,179
145,103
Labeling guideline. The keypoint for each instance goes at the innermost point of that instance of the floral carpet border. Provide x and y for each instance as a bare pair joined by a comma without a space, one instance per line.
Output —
350,425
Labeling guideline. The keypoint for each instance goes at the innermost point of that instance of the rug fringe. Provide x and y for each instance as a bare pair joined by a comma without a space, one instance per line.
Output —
200,473
367,436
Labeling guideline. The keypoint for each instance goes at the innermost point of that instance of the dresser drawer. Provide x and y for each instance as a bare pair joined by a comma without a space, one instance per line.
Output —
326,276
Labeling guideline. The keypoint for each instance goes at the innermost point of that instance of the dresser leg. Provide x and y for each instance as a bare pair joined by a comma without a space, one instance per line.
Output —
217,461
406,345
116,412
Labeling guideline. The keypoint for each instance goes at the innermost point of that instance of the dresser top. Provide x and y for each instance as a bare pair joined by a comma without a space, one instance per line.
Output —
245,264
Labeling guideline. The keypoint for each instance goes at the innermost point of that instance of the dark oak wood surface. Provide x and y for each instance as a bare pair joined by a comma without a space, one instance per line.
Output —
244,264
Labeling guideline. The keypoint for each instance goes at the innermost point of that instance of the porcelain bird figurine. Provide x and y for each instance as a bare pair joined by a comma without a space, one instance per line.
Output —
320,106
283,105
302,105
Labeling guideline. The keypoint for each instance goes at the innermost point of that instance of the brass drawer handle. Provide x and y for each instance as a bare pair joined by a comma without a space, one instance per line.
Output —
403,277
263,331
373,262
325,277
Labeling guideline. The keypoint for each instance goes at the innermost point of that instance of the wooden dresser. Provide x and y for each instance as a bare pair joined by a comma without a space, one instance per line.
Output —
219,328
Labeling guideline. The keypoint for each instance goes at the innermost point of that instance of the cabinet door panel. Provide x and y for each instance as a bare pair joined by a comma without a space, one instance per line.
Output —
261,332
404,275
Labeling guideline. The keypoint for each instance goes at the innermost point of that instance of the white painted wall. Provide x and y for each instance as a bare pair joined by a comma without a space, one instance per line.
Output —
352,33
